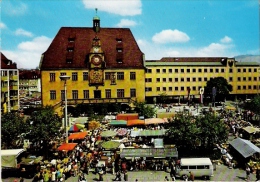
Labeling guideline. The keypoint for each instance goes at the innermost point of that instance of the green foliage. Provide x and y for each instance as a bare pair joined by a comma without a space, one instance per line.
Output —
163,97
44,125
254,105
144,110
222,86
12,125
190,132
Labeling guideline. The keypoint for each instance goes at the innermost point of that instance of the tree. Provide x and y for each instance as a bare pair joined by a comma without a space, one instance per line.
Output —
12,126
222,88
144,110
254,105
163,97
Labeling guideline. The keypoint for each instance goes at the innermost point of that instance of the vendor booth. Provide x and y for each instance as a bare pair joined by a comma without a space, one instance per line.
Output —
78,136
67,146
118,123
149,152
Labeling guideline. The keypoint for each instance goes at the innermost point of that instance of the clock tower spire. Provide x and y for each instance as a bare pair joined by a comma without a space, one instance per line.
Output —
96,23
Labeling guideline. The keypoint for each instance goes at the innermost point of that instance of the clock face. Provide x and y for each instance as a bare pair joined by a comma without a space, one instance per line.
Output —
96,49
96,60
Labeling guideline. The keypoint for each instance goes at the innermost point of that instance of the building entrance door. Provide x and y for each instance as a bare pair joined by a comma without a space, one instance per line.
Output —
97,94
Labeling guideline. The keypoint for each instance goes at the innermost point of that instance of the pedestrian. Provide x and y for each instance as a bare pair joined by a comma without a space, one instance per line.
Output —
258,175
125,176
247,173
166,178
191,176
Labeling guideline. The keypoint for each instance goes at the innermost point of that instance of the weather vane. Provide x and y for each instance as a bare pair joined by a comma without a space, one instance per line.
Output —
96,10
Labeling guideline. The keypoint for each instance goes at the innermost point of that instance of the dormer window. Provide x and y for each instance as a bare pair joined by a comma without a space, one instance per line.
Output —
71,39
120,61
119,40
70,50
69,61
119,50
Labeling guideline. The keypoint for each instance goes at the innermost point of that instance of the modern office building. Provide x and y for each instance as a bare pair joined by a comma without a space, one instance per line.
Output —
105,65
9,85
174,76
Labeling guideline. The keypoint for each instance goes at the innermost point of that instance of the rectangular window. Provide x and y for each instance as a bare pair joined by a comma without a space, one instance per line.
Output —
230,70
216,70
230,79
120,93
188,79
194,88
205,70
176,70
62,74
74,94
255,78
107,75
62,94
164,70
238,70
244,70
164,89
255,87
182,88
249,87
238,87
188,70
170,88
120,75
52,77
148,89
164,79
86,94
148,70
249,78
244,87
85,76
194,70
170,70
108,93
238,79
176,89
249,70
74,76
199,70
132,76
158,89
132,92
176,79
52,94
182,70
200,79
170,79
157,79
255,70
244,78
157,70
205,79
194,79
222,70
148,80
182,79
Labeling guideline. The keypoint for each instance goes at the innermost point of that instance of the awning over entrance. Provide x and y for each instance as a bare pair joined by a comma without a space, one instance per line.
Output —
244,147
149,152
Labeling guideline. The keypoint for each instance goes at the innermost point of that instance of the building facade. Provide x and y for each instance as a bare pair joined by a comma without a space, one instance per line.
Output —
105,65
9,85
174,77
29,82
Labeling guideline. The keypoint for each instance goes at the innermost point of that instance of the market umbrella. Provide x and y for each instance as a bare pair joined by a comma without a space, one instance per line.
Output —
110,145
76,127
76,136
155,121
121,131
108,133
135,122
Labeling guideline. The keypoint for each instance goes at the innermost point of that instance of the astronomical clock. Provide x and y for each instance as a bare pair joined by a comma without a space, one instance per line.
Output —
96,64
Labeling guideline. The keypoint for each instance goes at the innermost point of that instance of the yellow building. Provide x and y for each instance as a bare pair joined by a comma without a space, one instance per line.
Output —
9,85
105,65
174,76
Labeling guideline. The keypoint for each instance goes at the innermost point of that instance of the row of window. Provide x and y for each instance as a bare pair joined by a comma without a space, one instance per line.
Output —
108,94
199,79
108,76
11,72
194,88
199,70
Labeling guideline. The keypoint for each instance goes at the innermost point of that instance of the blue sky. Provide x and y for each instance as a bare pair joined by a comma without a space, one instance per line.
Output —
162,28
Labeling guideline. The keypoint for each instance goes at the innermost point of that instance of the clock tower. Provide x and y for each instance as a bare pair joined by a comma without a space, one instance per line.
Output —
96,63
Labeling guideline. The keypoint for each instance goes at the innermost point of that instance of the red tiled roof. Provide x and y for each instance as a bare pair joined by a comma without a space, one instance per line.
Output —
6,63
190,59
29,74
55,56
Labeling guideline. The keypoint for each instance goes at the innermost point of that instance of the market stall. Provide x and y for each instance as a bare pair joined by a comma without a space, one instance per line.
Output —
67,146
155,121
78,136
118,123
135,122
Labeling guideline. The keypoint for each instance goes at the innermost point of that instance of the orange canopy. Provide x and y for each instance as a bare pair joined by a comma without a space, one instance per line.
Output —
79,135
135,122
67,146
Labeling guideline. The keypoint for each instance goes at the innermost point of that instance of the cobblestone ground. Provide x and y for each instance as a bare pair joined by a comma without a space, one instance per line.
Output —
222,173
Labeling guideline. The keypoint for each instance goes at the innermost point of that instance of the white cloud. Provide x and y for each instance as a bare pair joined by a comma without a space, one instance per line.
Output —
126,23
28,54
226,39
122,7
23,32
2,25
170,36
14,9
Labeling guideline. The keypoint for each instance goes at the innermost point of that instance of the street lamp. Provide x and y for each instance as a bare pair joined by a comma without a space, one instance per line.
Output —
65,78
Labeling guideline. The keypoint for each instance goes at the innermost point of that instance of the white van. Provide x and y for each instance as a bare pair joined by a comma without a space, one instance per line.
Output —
200,167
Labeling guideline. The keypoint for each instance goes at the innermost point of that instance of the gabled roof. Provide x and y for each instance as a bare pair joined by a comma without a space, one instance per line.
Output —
190,59
244,147
29,74
55,55
6,63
